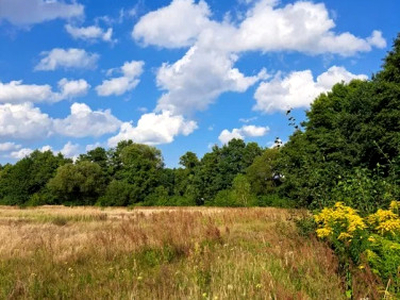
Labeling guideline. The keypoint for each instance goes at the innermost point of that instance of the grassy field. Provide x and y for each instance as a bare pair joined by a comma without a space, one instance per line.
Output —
161,253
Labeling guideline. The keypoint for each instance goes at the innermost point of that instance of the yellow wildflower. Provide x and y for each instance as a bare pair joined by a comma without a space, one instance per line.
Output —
323,232
344,236
340,218
385,222
394,206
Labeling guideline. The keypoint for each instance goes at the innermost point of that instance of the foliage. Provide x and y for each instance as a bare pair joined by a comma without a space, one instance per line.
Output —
241,192
218,168
141,167
263,173
117,193
354,132
274,200
373,240
159,197
223,198
364,190
80,183
29,176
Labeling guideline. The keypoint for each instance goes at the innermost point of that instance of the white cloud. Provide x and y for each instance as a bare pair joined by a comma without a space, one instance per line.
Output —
248,120
207,69
73,88
67,58
267,26
120,85
17,92
243,132
377,40
176,25
9,146
84,122
298,89
93,146
90,33
154,129
70,150
252,130
196,80
302,26
21,153
23,121
23,13
226,135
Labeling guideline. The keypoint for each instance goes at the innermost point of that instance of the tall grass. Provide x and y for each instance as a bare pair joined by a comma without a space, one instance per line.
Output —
169,253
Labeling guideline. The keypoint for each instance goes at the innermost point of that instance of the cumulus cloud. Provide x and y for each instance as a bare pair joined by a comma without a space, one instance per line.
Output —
90,33
69,150
120,85
196,80
23,13
9,146
93,146
17,92
298,89
377,40
72,88
23,121
154,129
83,122
21,153
176,25
208,67
242,133
67,58
302,26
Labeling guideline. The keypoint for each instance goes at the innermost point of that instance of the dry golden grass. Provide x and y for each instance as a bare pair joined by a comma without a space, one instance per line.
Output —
161,253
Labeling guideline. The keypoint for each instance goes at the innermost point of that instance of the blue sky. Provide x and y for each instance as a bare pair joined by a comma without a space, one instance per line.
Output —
182,75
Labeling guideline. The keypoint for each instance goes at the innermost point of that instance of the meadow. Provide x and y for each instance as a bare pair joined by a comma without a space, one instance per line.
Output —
56,252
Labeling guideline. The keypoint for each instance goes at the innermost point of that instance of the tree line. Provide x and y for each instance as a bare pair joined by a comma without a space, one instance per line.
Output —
134,174
347,150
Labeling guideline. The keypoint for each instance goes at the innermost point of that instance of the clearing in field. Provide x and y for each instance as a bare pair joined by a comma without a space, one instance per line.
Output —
161,253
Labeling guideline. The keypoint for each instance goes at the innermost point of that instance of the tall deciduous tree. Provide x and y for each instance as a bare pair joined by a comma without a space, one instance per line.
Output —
356,125
78,184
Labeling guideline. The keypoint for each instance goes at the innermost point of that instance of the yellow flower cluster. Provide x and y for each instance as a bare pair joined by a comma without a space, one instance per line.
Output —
394,206
341,219
342,222
385,221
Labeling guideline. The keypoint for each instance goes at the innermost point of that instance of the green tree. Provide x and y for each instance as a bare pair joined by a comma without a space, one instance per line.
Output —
241,191
189,160
263,174
141,167
218,168
184,177
78,184
355,126
28,177
97,155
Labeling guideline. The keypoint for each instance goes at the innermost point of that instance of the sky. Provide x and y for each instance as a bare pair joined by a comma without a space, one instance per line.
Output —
181,75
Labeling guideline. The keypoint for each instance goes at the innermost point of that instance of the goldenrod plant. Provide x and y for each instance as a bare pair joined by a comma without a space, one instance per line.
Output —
372,241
